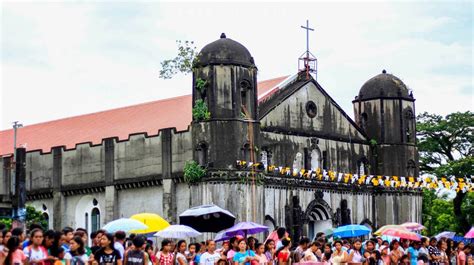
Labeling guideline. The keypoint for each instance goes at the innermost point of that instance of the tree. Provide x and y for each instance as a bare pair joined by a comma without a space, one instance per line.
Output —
32,217
182,63
446,148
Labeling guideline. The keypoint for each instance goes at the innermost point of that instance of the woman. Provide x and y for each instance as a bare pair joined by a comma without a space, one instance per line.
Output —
327,253
404,260
164,256
180,256
339,256
413,252
369,248
151,255
260,254
15,254
107,254
251,243
270,250
460,254
310,253
450,251
77,254
244,256
395,252
35,252
442,246
283,253
355,254
384,255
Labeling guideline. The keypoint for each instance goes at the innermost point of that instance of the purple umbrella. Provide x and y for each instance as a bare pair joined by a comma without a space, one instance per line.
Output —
248,228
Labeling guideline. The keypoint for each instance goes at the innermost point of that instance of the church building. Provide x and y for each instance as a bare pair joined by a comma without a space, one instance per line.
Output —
87,170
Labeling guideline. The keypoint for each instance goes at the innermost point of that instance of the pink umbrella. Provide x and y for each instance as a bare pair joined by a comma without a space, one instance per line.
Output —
401,234
470,234
413,226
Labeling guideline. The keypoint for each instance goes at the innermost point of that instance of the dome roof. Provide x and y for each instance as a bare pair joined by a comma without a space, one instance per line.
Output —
224,51
384,85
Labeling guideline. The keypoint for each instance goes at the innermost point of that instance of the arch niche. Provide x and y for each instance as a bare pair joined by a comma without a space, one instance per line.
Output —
318,216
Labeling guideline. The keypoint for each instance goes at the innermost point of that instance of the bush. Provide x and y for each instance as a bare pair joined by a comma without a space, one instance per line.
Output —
193,172
200,111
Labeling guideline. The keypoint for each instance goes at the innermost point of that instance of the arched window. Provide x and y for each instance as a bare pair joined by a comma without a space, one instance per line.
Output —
363,121
298,162
95,219
409,125
246,152
315,159
46,218
264,158
86,221
245,96
411,168
202,154
362,166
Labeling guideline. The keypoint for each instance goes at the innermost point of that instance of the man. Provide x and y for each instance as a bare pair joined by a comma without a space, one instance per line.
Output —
136,256
210,257
300,250
120,237
313,253
68,235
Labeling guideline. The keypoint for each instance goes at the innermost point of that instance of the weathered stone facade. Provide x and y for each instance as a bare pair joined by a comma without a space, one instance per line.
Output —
299,125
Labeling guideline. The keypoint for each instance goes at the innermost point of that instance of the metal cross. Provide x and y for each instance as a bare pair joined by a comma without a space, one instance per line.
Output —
307,36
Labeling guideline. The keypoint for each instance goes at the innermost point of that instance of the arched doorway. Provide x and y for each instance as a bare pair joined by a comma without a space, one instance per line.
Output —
318,216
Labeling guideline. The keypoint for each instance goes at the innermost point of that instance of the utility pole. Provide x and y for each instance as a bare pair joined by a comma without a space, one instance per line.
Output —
13,187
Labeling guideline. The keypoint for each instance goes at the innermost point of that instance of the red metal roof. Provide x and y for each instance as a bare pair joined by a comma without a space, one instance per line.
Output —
121,122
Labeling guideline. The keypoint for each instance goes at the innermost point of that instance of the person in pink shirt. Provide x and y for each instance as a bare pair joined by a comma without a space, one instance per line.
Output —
462,250
15,254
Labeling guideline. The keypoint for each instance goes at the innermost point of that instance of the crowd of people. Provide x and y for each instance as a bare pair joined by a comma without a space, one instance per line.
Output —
70,247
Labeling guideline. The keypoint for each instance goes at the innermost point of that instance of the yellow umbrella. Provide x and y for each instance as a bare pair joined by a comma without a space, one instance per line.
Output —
154,222
385,227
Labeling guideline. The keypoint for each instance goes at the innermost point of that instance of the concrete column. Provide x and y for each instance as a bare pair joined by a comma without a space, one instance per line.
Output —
59,212
169,187
111,194
111,205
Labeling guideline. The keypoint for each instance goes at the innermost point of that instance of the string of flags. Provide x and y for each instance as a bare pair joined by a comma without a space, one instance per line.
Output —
452,183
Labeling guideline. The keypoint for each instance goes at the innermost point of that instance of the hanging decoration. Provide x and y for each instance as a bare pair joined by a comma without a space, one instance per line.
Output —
454,184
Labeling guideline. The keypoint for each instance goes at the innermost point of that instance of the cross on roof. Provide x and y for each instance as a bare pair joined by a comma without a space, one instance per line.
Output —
307,36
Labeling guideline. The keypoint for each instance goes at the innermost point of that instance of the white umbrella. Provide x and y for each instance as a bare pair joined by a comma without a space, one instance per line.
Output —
124,224
446,234
177,231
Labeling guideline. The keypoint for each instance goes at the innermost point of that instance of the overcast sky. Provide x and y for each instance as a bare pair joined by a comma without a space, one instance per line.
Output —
63,59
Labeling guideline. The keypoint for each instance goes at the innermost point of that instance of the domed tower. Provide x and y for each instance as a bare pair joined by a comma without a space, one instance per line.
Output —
385,110
224,81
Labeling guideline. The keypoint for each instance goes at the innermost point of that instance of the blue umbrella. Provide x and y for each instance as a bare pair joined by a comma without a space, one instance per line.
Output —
351,231
124,224
248,228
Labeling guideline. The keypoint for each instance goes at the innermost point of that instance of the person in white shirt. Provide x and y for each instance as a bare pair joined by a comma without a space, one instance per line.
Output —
210,257
120,237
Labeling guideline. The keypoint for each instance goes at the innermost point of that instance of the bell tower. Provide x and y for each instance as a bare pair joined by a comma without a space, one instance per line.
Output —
225,126
385,110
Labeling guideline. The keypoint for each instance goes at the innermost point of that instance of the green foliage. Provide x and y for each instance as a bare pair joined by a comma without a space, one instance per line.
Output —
200,110
182,63
32,217
446,148
7,222
373,142
201,85
193,172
